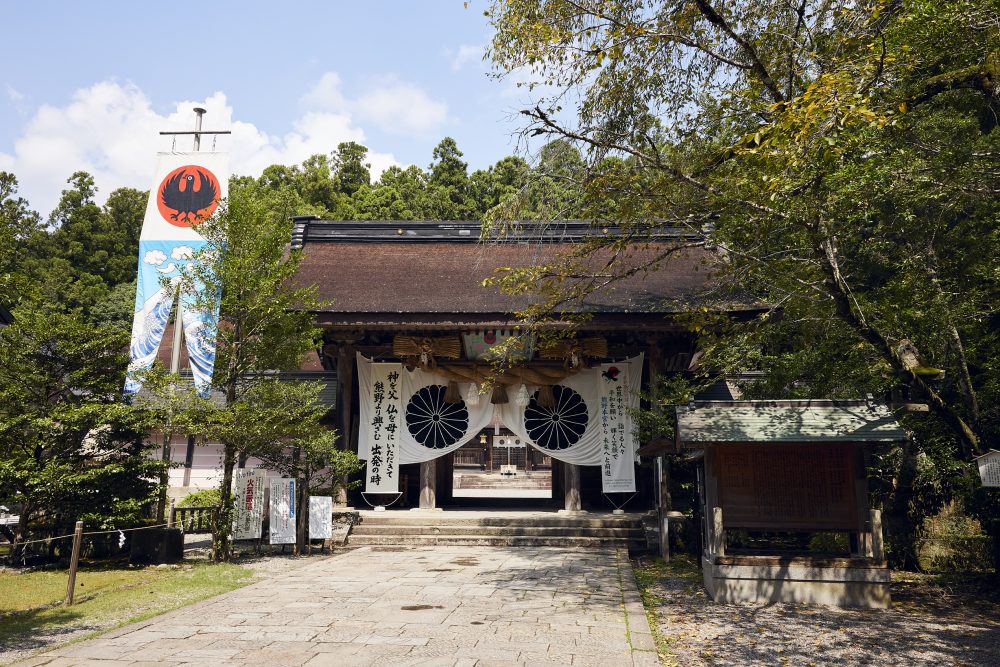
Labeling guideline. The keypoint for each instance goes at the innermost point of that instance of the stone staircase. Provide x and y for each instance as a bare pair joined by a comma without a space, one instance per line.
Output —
528,529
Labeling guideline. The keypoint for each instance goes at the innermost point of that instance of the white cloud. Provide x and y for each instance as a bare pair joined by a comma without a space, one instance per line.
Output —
182,252
15,96
394,106
465,54
111,130
154,257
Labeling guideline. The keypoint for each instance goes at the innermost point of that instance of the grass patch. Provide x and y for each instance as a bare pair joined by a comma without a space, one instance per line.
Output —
32,616
651,571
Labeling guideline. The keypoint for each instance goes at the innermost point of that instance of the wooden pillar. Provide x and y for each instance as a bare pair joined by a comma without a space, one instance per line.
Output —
878,549
571,487
718,533
345,384
428,484
344,360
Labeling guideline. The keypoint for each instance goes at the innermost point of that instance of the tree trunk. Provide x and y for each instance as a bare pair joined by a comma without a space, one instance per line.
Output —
840,292
899,524
20,533
222,546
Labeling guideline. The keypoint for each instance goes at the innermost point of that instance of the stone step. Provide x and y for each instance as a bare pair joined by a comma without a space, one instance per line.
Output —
489,541
624,532
504,487
442,519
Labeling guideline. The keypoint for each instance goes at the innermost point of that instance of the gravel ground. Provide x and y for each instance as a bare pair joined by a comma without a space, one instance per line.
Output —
929,624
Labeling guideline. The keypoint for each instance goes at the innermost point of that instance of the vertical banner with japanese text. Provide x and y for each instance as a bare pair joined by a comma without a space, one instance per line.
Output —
320,517
249,504
282,516
617,443
381,421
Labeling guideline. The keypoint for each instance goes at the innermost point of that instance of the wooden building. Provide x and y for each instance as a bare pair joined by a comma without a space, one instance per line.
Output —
780,482
424,280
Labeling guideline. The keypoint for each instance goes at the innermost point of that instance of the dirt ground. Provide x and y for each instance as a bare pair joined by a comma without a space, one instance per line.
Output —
933,621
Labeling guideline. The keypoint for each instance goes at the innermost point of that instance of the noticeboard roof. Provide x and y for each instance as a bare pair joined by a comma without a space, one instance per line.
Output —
800,421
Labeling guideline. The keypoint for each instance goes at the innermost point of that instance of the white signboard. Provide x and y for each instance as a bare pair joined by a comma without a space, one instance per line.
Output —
617,445
249,504
320,517
383,429
509,442
282,529
989,468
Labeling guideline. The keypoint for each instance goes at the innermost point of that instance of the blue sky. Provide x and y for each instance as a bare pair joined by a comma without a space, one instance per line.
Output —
88,85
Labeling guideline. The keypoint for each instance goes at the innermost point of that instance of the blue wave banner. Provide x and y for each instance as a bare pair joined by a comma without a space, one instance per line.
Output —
186,191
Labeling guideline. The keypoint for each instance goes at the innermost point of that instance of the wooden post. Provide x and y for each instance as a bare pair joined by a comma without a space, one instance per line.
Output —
170,514
878,548
74,560
428,484
571,486
718,533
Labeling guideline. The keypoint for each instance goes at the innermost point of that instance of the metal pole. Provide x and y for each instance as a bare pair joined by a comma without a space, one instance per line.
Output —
74,561
199,112
175,349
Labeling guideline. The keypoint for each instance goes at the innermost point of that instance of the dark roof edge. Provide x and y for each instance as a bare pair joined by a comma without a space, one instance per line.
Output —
310,229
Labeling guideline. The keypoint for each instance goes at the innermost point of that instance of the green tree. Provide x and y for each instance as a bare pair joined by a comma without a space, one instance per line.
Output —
840,156
353,172
283,424
69,448
265,323
449,191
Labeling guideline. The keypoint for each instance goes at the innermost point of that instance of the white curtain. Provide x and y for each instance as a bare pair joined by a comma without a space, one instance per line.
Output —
422,437
586,448
429,427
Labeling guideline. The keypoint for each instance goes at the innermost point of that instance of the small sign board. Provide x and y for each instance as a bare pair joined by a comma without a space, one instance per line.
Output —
989,468
249,504
282,511
320,517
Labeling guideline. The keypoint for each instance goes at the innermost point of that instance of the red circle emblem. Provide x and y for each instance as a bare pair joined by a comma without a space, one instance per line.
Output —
188,195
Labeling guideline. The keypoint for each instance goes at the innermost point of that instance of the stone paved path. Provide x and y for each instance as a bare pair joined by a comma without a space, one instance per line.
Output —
415,606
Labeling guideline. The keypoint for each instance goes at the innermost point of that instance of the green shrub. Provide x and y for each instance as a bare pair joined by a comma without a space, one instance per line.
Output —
829,543
202,498
951,541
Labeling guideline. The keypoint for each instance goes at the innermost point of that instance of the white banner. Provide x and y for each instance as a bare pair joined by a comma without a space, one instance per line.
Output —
382,425
320,517
571,431
186,191
429,427
249,504
617,443
282,524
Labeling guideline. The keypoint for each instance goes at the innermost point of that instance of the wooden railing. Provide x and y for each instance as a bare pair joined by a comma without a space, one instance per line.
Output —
194,519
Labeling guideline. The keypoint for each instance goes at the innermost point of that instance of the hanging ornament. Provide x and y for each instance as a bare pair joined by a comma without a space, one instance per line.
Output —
522,398
472,394
546,398
121,539
499,395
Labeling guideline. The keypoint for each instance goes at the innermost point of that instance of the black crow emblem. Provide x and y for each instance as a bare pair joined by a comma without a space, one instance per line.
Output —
188,195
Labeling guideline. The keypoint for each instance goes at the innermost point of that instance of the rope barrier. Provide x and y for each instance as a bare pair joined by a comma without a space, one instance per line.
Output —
93,532
399,494
618,507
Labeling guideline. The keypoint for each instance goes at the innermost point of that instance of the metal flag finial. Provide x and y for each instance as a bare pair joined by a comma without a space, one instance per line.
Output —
199,114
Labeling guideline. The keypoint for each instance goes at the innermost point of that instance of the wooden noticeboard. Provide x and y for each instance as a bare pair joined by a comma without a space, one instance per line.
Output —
778,486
